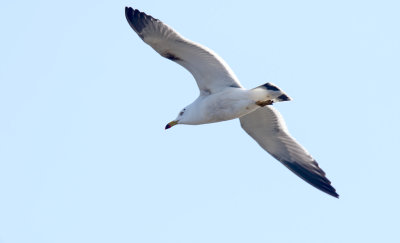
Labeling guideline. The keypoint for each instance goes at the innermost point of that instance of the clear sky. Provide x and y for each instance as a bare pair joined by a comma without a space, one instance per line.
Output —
84,156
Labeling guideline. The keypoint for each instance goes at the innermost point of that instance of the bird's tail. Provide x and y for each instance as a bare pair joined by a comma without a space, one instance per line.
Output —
268,93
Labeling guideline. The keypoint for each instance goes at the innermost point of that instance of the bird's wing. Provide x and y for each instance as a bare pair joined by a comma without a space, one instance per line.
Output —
211,72
267,127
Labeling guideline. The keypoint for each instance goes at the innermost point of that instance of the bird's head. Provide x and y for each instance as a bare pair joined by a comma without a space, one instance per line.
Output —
179,119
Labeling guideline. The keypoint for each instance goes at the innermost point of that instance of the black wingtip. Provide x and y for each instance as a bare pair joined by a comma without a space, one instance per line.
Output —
138,20
333,194
128,11
314,177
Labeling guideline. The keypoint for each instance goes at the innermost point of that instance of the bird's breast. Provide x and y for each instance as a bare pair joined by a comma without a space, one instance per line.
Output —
227,106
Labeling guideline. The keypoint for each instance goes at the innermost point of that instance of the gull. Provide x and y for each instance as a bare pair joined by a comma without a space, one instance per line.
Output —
223,98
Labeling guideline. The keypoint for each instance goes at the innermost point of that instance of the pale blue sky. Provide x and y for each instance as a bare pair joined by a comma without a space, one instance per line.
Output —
84,156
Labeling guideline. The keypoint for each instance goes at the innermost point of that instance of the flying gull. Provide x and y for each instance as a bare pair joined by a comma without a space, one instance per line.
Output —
223,98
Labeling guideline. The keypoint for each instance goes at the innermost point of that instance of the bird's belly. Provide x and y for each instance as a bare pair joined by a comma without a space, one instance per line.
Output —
227,109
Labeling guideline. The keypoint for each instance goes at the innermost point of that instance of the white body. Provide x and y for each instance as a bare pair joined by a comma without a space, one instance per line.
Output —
230,103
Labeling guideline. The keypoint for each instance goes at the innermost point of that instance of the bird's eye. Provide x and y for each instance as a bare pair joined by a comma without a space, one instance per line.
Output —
181,113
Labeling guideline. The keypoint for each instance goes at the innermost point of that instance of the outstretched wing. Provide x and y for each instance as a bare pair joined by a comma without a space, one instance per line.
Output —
268,128
211,72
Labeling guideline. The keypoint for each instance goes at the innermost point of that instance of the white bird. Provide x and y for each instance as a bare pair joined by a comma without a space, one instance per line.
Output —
223,98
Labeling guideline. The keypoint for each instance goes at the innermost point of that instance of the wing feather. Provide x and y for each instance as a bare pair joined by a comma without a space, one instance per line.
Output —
268,128
210,71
